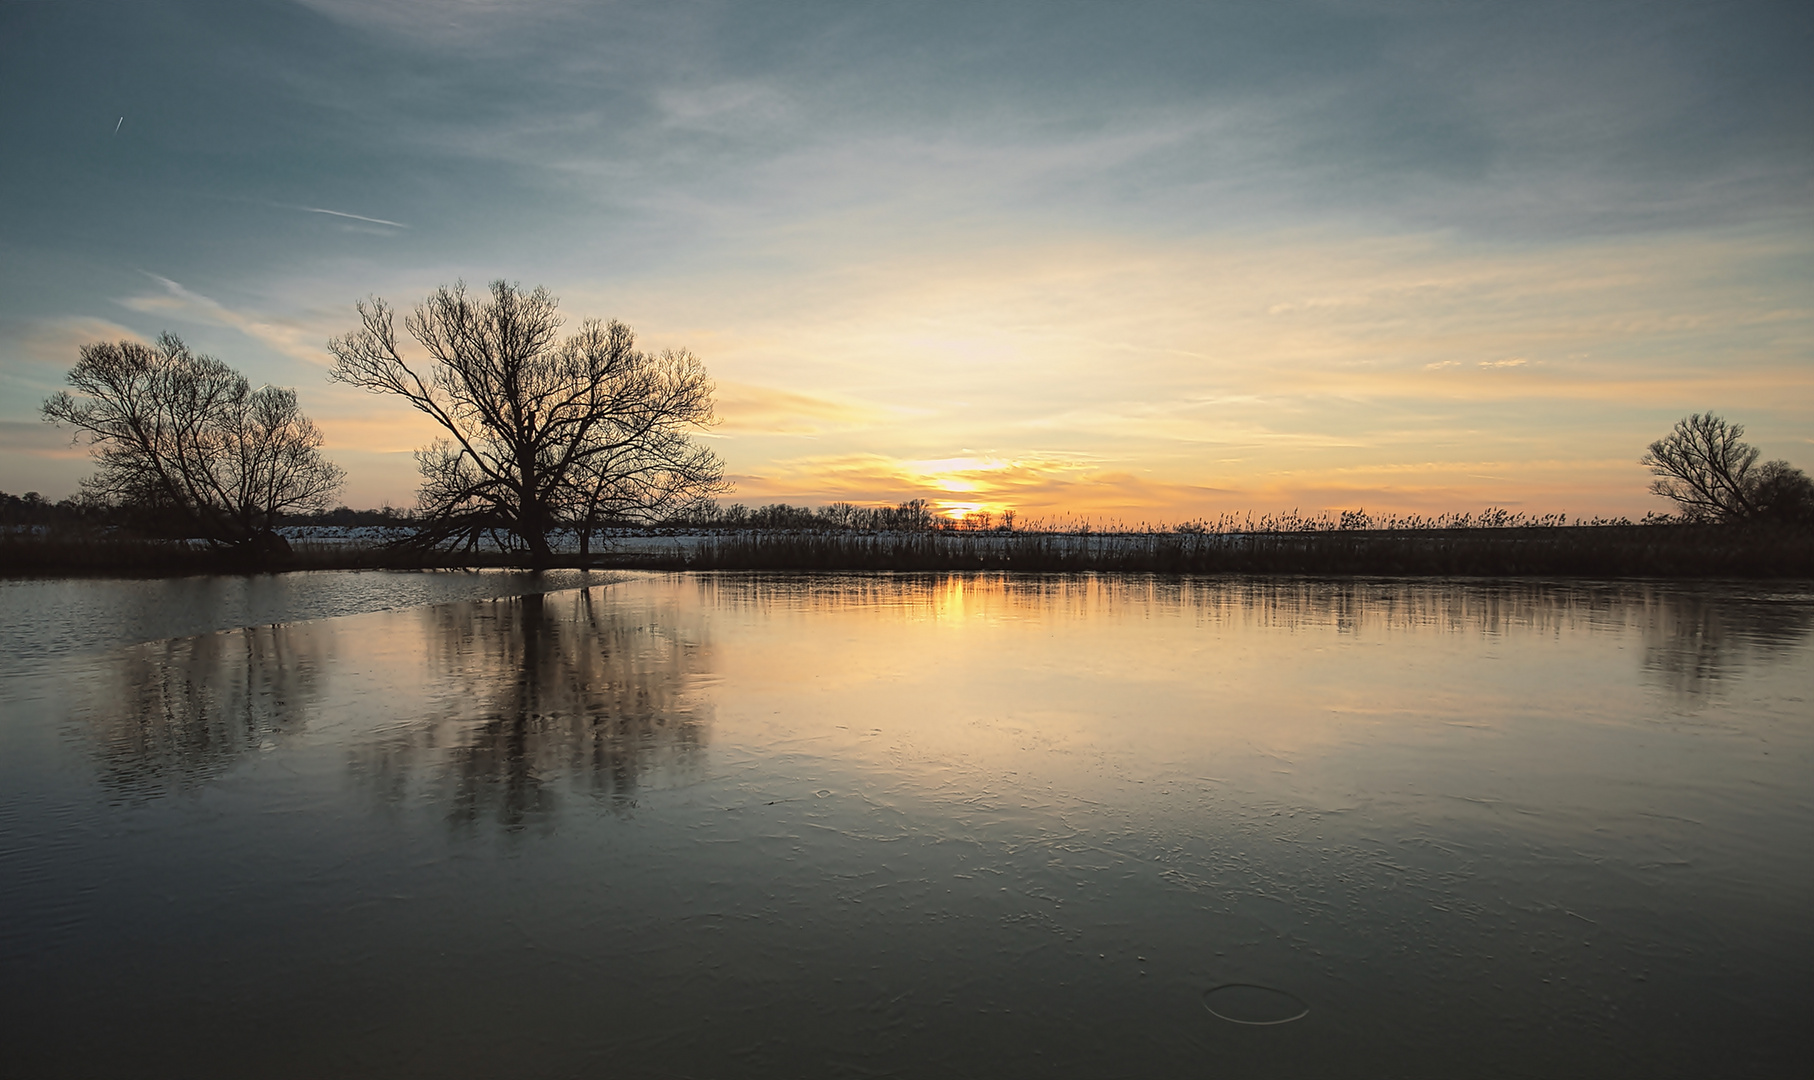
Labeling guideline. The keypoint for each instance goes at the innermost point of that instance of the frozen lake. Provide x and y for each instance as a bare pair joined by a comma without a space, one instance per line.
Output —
725,825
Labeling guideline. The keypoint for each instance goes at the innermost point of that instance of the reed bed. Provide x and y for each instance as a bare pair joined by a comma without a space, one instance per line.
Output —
1588,551
1522,550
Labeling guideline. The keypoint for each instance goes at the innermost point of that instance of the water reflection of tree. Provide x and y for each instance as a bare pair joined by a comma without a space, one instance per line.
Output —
548,694
1693,634
173,715
1694,639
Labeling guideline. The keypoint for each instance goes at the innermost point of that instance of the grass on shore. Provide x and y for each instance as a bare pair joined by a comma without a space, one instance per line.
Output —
1584,551
1673,550
89,555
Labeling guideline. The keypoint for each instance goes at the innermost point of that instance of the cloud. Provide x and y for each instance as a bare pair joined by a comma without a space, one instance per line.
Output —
355,217
179,302
744,408
1032,486
58,342
1221,246
1544,119
728,107
1163,364
41,440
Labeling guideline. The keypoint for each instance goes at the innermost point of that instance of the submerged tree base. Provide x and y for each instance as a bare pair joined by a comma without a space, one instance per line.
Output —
1661,551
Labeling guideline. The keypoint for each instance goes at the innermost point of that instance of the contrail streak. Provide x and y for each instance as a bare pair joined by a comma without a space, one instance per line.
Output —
116,127
355,217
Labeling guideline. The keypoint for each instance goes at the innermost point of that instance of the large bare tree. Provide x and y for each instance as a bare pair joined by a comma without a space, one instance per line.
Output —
1707,470
184,434
542,433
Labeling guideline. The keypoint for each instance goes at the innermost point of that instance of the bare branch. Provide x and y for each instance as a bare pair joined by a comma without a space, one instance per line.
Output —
182,433
1706,469
541,433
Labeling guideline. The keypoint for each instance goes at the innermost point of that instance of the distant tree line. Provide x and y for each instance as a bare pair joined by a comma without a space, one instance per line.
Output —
32,510
345,517
916,515
88,512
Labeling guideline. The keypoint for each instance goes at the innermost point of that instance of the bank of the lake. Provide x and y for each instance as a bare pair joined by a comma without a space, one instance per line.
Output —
1677,551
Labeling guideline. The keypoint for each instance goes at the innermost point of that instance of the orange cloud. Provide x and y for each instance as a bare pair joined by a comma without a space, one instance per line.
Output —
1058,488
1033,487
747,408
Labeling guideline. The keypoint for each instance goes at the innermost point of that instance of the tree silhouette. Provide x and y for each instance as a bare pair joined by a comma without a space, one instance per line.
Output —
1782,493
183,434
1707,470
544,697
542,433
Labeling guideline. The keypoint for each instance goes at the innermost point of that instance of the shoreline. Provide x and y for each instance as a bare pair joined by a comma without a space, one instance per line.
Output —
1683,552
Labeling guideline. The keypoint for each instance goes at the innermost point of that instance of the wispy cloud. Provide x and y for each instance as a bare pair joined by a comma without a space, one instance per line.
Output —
57,343
355,217
42,440
179,302
1285,254
1033,486
1184,368
744,408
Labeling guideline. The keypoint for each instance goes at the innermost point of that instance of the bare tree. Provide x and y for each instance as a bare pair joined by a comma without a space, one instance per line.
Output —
184,433
542,433
646,467
1704,468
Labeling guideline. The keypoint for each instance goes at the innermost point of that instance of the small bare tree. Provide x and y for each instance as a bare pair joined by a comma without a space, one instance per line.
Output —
542,433
183,433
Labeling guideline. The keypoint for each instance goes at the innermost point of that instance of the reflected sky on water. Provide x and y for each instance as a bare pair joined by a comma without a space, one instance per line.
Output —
927,825
45,618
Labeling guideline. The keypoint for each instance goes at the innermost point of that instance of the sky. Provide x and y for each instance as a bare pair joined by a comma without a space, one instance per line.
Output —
1136,262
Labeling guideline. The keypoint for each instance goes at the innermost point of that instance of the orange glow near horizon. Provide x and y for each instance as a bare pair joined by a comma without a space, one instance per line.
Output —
1089,377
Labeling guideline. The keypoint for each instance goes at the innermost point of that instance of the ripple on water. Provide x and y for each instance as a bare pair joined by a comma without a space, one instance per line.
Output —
1255,1005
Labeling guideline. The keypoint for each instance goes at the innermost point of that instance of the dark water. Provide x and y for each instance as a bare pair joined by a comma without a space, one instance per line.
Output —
41,618
723,826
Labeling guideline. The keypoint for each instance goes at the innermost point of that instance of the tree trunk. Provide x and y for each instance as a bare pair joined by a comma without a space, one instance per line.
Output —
267,549
540,554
